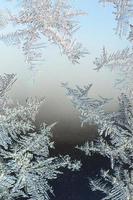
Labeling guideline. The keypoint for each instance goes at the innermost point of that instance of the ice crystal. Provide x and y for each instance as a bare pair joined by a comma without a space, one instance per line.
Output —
91,110
25,163
37,20
121,62
4,17
114,130
123,12
130,36
114,141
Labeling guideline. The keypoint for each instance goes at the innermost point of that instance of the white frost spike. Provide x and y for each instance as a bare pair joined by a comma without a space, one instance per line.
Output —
38,20
120,61
123,12
114,140
4,18
25,163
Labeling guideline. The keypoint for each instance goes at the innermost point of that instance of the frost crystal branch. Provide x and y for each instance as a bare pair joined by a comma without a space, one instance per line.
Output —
115,130
121,61
45,19
25,163
91,110
114,141
3,18
123,12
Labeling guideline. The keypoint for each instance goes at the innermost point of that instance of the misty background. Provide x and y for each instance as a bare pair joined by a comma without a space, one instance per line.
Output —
96,31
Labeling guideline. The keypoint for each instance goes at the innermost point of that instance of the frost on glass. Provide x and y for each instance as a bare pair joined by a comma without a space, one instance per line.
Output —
114,141
3,18
37,21
120,61
25,163
115,129
123,11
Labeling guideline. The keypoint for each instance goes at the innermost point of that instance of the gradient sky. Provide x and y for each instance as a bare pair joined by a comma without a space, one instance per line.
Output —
96,30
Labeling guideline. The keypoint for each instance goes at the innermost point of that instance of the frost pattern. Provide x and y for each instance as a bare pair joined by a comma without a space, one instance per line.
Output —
91,110
114,141
25,163
121,62
37,20
123,12
4,18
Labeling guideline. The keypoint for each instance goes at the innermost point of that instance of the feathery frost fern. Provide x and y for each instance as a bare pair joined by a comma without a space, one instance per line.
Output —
114,141
25,164
121,62
123,14
48,19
